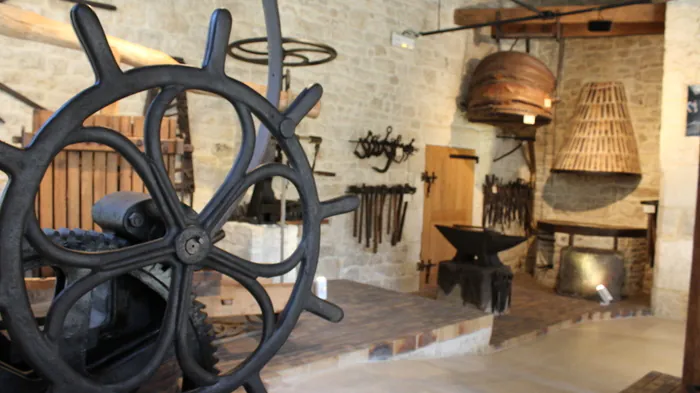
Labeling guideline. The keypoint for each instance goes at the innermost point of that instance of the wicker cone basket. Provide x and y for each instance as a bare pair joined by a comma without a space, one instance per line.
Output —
601,139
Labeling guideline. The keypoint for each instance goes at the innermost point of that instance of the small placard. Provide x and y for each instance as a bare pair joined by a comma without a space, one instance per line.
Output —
529,119
547,103
693,119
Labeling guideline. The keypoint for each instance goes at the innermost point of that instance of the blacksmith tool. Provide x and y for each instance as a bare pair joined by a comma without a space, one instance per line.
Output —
363,206
368,235
403,220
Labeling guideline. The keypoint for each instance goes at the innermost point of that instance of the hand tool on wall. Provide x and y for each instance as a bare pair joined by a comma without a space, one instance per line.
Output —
393,149
376,202
506,204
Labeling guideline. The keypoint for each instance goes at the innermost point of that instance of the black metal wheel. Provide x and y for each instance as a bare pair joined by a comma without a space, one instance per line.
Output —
295,52
121,343
186,245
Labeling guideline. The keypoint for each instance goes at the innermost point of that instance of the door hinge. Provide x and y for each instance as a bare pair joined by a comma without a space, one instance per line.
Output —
465,157
422,266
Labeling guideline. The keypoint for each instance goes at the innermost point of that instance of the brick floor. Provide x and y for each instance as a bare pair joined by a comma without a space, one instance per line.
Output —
377,325
656,382
536,311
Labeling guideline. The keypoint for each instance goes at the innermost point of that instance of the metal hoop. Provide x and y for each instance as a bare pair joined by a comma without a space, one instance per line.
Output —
240,50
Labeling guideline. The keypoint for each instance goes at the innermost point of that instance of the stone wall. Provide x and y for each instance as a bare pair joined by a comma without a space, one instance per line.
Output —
633,251
679,162
637,62
369,86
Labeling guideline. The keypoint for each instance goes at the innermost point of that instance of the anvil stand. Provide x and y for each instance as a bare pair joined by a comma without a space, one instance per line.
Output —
484,280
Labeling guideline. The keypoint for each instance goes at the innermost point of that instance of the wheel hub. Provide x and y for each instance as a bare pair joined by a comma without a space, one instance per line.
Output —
192,245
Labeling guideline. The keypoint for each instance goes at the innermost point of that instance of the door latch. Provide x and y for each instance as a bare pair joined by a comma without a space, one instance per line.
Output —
430,179
422,266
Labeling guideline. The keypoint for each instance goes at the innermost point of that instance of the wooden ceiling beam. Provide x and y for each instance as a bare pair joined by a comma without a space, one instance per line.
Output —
26,25
575,30
640,13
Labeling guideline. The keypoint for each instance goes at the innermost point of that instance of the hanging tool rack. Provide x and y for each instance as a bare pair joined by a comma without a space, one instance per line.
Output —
373,145
382,208
506,204
294,53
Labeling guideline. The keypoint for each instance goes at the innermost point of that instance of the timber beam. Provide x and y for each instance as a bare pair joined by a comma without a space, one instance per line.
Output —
641,19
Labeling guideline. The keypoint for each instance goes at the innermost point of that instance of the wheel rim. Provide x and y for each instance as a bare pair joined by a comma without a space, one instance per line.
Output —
65,127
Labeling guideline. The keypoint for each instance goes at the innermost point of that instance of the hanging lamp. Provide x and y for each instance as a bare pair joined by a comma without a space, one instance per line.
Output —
601,139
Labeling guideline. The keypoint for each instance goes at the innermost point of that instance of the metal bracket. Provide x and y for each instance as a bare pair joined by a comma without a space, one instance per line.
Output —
465,157
422,266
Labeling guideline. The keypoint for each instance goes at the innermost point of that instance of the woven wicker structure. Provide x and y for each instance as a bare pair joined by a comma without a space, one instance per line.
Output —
601,139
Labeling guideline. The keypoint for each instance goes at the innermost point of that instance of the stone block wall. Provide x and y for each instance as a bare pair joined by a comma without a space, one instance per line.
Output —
679,162
637,62
371,85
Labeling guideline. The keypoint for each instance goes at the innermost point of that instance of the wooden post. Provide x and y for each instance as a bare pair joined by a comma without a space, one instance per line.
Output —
691,360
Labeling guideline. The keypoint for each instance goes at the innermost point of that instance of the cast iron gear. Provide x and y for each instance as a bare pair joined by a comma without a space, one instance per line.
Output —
156,278
188,241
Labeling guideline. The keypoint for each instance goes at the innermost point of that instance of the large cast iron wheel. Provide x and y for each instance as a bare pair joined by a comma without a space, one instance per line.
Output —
187,243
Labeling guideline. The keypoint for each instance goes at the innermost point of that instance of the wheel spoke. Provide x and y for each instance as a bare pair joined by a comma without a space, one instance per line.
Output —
189,364
123,258
218,258
241,374
172,214
219,209
65,300
221,205
10,158
63,304
154,121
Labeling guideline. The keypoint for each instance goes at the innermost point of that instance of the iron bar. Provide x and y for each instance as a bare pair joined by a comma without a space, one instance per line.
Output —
529,7
552,15
96,4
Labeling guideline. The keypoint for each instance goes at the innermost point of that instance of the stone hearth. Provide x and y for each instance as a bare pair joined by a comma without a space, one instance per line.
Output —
552,241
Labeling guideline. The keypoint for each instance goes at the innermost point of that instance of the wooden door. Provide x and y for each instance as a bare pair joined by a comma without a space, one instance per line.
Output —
449,202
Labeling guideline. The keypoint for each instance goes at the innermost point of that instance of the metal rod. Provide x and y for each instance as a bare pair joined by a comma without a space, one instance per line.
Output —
509,152
551,15
19,97
95,4
528,6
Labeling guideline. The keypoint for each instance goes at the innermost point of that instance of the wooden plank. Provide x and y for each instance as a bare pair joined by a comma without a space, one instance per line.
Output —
26,25
164,134
237,301
112,170
86,184
172,157
125,169
73,192
449,203
168,146
577,30
691,359
46,187
640,13
99,169
136,181
60,190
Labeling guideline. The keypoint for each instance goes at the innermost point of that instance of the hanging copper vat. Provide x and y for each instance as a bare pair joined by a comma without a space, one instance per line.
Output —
510,89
